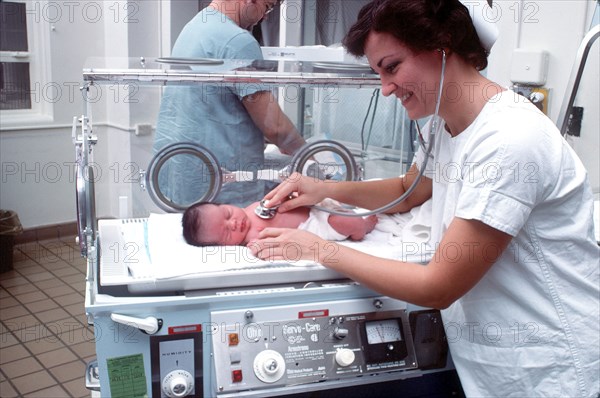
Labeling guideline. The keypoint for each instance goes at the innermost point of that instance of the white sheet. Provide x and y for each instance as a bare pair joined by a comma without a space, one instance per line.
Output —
402,237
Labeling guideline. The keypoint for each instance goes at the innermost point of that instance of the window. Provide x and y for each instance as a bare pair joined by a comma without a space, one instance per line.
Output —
23,45
14,74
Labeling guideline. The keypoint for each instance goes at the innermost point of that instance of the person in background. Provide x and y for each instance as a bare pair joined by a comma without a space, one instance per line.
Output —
210,224
233,123
515,272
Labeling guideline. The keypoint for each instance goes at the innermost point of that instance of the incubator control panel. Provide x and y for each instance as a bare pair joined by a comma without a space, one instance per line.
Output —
261,348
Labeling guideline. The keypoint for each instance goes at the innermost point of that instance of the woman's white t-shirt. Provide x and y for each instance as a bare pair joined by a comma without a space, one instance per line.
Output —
530,326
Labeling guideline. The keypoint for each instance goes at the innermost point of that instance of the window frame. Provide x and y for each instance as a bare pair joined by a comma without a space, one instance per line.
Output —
38,56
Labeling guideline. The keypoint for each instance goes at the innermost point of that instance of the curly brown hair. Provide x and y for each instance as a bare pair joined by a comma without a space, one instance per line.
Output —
422,25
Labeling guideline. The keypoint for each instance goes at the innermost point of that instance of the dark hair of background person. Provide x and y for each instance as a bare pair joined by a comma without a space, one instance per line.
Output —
422,25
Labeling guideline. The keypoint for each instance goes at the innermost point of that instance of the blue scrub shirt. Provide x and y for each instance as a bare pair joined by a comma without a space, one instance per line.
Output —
211,116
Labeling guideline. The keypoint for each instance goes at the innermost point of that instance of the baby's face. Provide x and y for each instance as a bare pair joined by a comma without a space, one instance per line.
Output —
225,225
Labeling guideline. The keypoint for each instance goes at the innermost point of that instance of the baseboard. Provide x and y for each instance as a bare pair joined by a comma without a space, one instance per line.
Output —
65,232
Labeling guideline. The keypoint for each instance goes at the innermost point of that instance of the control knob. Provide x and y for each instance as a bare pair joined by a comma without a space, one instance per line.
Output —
178,383
344,357
340,333
269,366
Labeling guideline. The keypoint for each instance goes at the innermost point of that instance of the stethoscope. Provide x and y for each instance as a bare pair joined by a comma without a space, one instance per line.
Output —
265,212
436,126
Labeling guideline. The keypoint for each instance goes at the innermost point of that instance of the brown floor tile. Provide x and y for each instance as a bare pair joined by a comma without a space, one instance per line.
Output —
12,353
31,297
76,336
70,299
18,255
59,291
77,388
41,306
47,257
44,337
30,270
7,339
66,272
24,262
7,275
57,247
22,289
49,283
76,278
75,309
54,262
33,382
6,302
16,280
21,367
53,315
6,390
79,262
37,332
56,265
90,358
54,358
69,371
29,247
23,322
13,312
84,350
64,327
83,319
54,392
79,286
41,276
40,346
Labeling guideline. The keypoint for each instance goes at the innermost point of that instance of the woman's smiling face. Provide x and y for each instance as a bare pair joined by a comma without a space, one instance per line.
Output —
412,77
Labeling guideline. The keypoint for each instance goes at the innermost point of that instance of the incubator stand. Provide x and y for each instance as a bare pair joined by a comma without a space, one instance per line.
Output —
231,325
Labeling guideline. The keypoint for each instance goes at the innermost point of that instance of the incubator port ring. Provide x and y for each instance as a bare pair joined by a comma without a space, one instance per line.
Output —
308,151
86,204
182,148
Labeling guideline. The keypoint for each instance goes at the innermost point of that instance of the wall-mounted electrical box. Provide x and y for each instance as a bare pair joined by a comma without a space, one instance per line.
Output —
539,96
529,67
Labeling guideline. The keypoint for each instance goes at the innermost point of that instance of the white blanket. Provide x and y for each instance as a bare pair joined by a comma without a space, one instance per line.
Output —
412,228
402,237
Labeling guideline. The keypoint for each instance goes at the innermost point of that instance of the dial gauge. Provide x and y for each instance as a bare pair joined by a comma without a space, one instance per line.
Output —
384,331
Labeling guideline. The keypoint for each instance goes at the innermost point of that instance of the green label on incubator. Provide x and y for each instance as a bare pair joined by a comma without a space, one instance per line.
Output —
127,377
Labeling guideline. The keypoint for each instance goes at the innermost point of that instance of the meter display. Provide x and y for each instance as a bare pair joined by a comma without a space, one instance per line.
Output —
384,331
384,344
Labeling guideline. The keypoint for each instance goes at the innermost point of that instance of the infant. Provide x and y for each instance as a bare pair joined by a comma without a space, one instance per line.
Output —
212,224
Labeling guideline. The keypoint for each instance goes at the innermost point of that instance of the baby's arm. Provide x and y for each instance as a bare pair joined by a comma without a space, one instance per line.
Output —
355,228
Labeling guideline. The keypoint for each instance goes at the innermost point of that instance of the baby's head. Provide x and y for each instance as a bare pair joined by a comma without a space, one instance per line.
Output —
213,224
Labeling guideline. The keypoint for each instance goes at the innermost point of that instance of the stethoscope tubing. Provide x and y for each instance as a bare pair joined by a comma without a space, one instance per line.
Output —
436,124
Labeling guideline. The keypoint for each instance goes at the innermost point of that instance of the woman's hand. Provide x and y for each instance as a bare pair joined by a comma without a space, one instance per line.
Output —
301,191
283,244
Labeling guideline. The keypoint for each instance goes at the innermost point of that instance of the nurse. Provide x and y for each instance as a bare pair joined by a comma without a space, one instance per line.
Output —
516,270
231,122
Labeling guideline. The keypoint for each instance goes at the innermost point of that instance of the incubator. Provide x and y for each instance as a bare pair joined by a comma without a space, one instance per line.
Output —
172,320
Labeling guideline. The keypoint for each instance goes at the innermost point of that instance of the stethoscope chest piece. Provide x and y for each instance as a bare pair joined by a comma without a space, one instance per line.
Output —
265,212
